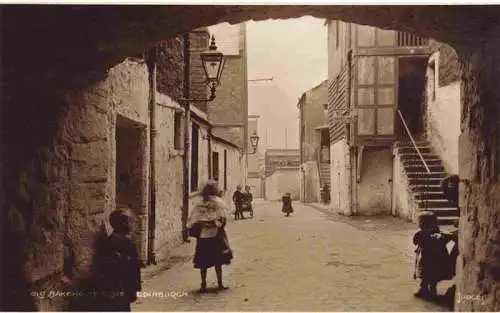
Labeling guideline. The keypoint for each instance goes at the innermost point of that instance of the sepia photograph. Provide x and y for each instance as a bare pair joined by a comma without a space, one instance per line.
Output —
249,157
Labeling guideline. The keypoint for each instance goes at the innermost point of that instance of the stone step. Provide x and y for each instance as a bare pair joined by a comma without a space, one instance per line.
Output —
419,143
444,212
447,220
416,157
435,203
425,181
421,168
426,188
422,195
423,149
425,175
418,162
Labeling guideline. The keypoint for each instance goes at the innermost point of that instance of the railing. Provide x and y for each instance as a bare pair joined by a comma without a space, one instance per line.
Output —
411,40
401,136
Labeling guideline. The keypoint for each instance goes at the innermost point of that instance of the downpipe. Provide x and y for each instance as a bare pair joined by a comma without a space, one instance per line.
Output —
185,160
151,63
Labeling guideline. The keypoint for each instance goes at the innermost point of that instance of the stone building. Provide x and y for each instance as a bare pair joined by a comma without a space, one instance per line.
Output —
441,129
376,103
282,173
228,112
314,143
121,145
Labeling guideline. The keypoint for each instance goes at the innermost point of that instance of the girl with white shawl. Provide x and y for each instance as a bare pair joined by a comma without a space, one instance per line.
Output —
206,222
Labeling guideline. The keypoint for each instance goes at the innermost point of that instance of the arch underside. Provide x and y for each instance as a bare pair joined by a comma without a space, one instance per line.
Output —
79,42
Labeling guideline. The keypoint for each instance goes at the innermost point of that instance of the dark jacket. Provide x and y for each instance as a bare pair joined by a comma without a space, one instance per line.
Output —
238,197
435,262
118,272
247,197
287,204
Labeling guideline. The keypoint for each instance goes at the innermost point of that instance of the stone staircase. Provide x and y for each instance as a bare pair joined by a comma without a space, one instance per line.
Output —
324,174
426,187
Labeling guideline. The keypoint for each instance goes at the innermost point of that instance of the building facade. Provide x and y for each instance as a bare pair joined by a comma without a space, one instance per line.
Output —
314,143
365,67
382,146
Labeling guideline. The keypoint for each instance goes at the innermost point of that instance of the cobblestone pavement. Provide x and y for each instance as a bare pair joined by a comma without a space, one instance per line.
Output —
310,261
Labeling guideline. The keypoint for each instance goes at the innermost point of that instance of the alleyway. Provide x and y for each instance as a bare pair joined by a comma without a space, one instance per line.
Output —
310,261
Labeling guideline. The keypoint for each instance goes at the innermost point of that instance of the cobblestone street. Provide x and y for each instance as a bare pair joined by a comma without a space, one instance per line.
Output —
310,261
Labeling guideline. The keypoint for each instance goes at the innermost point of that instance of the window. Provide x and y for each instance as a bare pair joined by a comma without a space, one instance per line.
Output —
194,157
225,169
177,131
215,166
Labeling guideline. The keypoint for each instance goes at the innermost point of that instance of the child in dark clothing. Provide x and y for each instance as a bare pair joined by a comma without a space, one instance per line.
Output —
238,198
433,259
287,204
119,269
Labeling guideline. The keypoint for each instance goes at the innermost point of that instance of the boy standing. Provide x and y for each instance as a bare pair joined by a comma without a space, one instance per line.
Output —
238,201
119,268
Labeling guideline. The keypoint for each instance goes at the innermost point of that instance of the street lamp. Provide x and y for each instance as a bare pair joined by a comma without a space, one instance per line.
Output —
254,141
213,64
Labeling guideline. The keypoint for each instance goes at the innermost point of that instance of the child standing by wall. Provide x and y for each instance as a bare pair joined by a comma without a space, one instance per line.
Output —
118,266
433,261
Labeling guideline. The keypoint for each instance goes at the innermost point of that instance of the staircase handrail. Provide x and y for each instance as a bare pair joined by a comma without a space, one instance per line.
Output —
413,141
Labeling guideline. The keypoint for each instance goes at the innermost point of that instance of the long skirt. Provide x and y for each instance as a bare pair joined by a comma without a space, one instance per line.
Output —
213,251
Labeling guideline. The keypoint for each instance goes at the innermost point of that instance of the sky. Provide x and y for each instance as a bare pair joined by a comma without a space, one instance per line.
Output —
294,53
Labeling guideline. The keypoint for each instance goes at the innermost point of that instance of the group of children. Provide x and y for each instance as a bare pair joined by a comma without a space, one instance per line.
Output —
118,267
242,201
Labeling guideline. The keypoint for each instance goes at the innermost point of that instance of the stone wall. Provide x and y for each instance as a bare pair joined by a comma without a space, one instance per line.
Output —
235,169
374,189
256,187
447,63
478,265
313,115
281,181
310,186
340,178
84,180
168,179
402,199
170,60
77,194
443,114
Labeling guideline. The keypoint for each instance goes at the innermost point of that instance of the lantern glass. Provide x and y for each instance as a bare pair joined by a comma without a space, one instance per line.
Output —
213,62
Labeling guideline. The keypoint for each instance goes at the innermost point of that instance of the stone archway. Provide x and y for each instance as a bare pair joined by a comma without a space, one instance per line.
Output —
49,51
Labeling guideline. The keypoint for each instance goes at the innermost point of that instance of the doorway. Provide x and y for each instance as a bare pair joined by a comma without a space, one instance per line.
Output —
131,177
411,94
